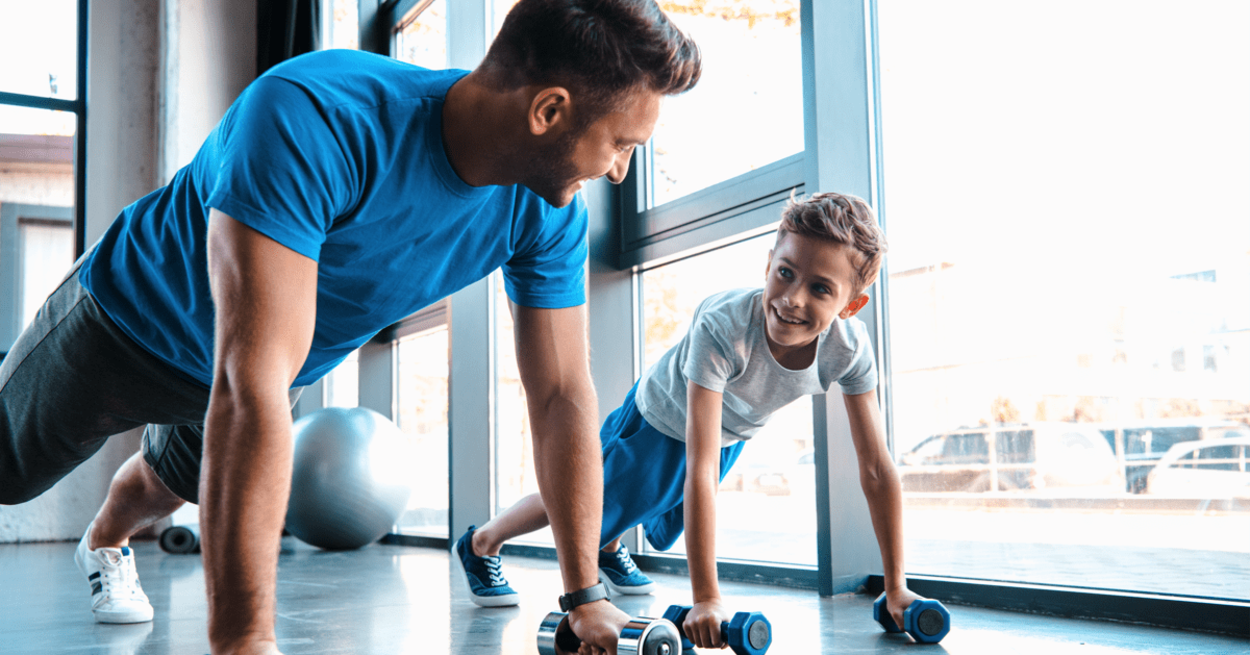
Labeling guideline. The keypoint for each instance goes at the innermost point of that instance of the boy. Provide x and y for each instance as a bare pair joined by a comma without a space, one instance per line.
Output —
748,353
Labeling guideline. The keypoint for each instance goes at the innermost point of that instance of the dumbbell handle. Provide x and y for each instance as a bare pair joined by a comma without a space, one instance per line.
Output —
765,638
640,634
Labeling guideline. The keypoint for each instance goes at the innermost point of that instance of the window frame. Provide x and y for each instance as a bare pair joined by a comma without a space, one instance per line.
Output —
78,107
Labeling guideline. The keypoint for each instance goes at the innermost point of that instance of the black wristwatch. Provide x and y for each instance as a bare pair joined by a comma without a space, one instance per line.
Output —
582,596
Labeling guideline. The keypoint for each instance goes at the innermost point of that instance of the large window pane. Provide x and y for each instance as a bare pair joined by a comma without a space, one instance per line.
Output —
766,506
342,24
422,39
1069,275
39,48
36,211
422,398
747,109
342,385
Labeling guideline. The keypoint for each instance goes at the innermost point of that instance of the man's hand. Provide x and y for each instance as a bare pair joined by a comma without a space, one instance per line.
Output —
897,601
598,625
702,626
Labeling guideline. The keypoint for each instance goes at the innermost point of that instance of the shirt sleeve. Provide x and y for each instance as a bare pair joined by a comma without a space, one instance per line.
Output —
711,353
548,269
279,167
860,375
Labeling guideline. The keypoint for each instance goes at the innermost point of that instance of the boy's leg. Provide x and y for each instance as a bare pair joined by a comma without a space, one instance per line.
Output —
528,515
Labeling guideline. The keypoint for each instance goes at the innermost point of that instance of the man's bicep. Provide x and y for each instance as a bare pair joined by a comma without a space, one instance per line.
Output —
264,297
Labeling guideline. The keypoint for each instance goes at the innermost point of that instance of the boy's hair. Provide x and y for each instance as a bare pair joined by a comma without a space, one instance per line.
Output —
843,219
602,50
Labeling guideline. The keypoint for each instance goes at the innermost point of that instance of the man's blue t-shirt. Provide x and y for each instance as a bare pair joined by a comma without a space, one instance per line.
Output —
337,155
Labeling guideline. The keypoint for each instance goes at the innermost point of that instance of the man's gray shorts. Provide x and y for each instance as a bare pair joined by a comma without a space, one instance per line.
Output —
72,380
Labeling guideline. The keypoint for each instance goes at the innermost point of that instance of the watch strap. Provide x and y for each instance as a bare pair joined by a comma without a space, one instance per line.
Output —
582,596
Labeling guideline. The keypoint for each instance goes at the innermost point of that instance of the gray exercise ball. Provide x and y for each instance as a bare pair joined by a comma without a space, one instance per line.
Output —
351,478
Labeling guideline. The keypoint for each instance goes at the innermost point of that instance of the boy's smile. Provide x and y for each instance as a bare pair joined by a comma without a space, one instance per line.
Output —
809,283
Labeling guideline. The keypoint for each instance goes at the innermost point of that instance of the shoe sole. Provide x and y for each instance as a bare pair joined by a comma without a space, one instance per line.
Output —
105,617
640,590
506,600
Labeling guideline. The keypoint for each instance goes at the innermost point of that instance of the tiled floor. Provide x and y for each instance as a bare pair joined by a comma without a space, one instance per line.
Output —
393,600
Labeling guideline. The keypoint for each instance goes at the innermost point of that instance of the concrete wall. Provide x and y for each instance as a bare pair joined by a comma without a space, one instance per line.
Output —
162,73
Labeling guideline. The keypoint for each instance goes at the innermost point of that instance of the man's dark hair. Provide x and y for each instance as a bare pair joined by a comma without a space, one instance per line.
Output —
601,50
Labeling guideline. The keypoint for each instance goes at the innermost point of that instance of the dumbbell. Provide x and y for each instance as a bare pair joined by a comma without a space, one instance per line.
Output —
927,621
748,633
641,636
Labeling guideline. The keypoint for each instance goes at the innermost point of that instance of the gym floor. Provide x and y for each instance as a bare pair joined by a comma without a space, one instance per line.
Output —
393,600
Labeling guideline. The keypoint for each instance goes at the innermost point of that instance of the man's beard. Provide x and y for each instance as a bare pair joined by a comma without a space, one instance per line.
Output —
552,170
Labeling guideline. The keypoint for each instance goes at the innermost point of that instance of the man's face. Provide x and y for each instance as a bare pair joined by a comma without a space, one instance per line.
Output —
809,284
602,148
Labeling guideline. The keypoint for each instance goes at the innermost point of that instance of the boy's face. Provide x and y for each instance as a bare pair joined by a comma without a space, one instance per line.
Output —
809,284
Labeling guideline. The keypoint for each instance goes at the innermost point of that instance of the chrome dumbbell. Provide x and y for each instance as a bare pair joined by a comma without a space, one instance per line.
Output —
641,636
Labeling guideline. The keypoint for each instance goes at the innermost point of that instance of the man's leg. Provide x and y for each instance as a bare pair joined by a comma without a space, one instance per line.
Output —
136,498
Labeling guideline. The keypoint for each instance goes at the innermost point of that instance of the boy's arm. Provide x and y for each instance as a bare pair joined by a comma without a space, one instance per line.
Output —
879,480
703,428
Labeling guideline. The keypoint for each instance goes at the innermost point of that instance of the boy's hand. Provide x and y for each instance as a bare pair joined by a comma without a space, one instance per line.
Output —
702,625
599,626
899,600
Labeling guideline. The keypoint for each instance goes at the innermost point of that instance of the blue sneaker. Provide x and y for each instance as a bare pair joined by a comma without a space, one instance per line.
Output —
487,586
618,571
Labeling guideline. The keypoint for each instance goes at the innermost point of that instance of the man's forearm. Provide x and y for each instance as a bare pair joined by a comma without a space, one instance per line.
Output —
569,467
244,487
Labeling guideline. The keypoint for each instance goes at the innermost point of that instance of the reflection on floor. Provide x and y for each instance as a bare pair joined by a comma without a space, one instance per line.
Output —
393,600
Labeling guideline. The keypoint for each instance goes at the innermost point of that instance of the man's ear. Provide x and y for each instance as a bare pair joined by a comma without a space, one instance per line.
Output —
551,107
852,308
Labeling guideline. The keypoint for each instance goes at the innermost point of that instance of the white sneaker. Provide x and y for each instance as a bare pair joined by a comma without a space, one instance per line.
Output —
116,596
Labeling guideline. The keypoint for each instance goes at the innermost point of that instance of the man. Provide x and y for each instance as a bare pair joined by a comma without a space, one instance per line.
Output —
341,192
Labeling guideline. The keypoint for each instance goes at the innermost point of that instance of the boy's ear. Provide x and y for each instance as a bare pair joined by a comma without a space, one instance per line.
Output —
549,108
768,266
852,308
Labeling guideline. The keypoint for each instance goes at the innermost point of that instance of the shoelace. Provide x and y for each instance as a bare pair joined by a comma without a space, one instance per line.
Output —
494,568
118,577
626,561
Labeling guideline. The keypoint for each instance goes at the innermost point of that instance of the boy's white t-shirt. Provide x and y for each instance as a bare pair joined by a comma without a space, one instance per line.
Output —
726,350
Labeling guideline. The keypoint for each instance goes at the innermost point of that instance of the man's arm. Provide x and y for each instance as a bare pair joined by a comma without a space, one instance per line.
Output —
264,296
703,429
879,480
553,359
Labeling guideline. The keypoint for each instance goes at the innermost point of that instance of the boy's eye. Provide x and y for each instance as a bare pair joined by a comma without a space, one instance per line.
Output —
785,272
820,288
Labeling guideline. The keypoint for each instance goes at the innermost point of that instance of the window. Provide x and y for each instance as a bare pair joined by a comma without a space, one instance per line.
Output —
766,506
421,38
422,403
41,120
342,24
747,109
39,45
342,385
1032,174
37,192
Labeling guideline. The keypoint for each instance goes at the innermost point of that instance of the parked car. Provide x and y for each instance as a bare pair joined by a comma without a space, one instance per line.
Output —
1208,469
1142,444
1012,457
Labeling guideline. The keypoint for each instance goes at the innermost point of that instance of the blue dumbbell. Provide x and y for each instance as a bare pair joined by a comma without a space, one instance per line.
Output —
748,633
927,621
